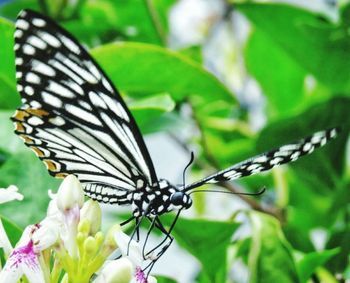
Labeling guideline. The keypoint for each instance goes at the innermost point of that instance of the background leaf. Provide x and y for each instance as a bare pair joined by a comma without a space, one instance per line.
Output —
270,258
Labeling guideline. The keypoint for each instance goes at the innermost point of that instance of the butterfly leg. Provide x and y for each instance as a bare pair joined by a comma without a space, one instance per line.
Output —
135,231
153,222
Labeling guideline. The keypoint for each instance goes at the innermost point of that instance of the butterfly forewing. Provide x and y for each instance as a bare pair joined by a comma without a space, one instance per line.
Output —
73,117
268,160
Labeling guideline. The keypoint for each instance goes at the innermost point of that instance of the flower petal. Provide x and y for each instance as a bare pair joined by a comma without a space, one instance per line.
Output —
129,248
116,271
23,261
46,235
9,194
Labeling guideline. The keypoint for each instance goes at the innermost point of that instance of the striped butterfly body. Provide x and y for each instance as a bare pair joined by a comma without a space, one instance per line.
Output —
76,122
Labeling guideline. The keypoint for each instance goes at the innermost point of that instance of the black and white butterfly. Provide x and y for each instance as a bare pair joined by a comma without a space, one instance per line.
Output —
76,122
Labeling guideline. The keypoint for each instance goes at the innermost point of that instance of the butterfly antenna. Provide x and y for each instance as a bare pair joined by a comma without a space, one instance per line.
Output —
230,193
188,165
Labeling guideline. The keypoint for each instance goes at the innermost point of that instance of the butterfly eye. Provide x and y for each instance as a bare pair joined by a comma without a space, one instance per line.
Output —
178,198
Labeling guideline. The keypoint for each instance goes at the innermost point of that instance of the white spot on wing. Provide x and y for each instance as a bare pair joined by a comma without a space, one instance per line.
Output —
38,22
28,49
35,121
18,33
32,78
307,146
60,90
22,24
19,61
333,133
276,161
29,90
82,114
36,42
70,44
58,121
51,99
43,68
96,100
58,65
49,38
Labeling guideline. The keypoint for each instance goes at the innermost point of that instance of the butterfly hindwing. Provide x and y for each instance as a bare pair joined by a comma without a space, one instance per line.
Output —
268,160
73,115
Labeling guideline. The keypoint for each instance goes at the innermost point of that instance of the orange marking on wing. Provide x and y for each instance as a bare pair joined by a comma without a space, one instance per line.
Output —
50,165
61,175
26,139
37,112
20,115
19,127
37,151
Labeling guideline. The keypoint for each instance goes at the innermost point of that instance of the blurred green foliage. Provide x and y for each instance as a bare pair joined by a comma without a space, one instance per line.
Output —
287,47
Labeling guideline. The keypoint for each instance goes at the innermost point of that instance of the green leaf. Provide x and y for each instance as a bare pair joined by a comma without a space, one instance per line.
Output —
163,279
161,103
9,141
325,165
144,68
13,232
10,9
270,257
9,97
339,238
308,37
26,171
310,262
149,113
280,77
208,242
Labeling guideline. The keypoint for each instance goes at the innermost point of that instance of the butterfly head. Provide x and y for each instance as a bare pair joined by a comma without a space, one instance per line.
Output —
181,199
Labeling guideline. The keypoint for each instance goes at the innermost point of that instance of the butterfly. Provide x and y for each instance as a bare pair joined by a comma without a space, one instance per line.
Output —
76,122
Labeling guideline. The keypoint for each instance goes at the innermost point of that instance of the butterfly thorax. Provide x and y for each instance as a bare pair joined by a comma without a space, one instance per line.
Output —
159,200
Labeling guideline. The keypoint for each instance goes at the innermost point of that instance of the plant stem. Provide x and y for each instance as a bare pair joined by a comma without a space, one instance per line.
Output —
153,14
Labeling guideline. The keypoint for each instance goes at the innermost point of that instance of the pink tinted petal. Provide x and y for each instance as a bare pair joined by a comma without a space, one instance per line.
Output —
23,260
140,275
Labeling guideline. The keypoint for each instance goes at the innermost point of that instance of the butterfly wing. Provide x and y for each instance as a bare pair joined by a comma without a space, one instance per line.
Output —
73,117
268,160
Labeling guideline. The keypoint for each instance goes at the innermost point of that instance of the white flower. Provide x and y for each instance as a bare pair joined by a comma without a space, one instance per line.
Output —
116,271
131,251
9,194
24,260
69,199
70,194
91,212
6,195
129,248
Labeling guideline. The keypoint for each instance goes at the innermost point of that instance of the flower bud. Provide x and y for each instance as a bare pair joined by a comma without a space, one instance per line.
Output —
90,245
70,194
84,226
110,237
91,211
116,271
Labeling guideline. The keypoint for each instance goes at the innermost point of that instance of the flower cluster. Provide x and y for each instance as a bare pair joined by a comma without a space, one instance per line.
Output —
68,246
